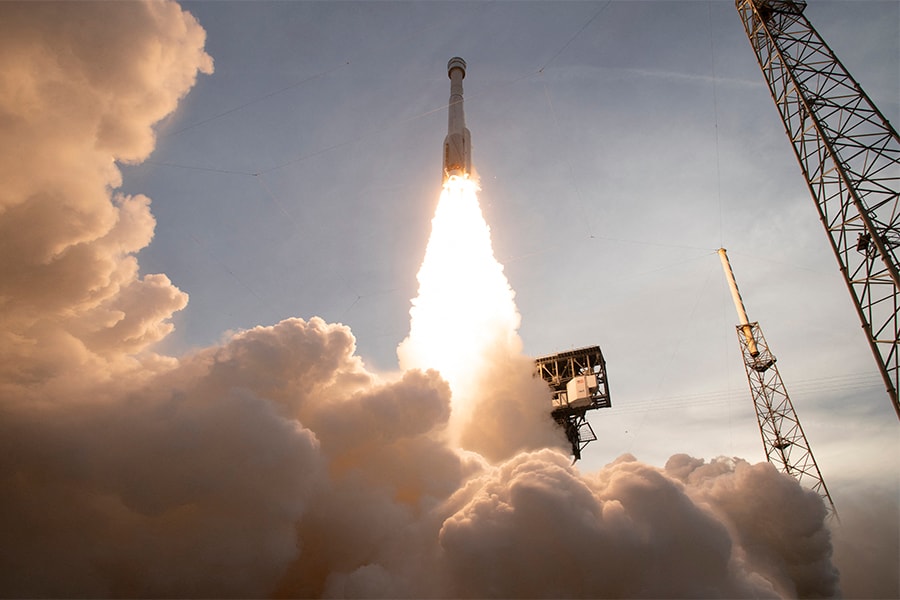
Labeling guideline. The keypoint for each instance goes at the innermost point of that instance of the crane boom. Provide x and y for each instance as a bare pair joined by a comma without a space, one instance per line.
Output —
850,157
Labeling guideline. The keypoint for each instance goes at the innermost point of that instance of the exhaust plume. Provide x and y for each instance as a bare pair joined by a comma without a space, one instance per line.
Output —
464,323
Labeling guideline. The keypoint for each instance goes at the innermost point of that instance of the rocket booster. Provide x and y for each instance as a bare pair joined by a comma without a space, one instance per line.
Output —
457,144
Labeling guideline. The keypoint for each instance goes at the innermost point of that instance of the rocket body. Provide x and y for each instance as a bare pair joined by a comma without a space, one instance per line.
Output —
457,144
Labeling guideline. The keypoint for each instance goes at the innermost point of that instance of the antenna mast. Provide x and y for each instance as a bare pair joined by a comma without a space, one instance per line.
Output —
850,157
783,439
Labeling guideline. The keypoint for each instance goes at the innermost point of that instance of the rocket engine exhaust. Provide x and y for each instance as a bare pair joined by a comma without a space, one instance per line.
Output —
457,144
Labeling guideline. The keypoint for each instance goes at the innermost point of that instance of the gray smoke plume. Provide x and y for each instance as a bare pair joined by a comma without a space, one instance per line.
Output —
276,463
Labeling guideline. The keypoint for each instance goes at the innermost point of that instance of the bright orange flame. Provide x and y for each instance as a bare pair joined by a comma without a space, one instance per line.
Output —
465,307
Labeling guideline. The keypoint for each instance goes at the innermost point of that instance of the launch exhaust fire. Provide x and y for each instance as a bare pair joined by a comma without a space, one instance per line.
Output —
465,308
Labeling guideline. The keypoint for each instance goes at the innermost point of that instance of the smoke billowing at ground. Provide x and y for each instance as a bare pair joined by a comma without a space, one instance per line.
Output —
276,463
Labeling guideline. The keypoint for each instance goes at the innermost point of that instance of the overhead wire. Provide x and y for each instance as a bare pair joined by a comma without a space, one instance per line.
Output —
715,95
665,371
278,205
157,163
574,36
555,118
757,257
572,178
254,101
550,248
803,388
227,269
669,266
578,193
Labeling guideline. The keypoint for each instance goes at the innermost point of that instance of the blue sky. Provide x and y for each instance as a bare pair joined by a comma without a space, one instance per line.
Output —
618,145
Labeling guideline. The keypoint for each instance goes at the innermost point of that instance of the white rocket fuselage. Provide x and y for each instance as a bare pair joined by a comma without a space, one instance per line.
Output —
457,144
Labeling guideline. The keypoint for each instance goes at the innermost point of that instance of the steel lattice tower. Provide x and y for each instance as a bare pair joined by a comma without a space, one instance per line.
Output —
850,156
783,439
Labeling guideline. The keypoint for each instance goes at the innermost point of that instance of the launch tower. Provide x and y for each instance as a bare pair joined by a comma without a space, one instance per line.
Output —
578,383
783,439
850,157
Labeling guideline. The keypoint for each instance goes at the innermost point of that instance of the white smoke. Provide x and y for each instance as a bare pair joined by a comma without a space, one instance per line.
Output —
276,463
464,323
81,87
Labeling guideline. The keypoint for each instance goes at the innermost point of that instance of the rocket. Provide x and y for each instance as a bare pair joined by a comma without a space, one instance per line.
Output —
457,144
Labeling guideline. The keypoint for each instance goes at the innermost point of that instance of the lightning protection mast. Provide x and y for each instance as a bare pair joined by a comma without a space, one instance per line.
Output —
783,439
850,156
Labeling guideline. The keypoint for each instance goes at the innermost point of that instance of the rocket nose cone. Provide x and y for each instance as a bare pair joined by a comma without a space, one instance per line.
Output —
456,63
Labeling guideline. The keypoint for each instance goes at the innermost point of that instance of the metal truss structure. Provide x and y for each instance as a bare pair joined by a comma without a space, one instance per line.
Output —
850,156
559,370
782,436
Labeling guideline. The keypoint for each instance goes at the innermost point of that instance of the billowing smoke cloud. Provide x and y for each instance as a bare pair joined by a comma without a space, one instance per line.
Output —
82,85
634,531
276,463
